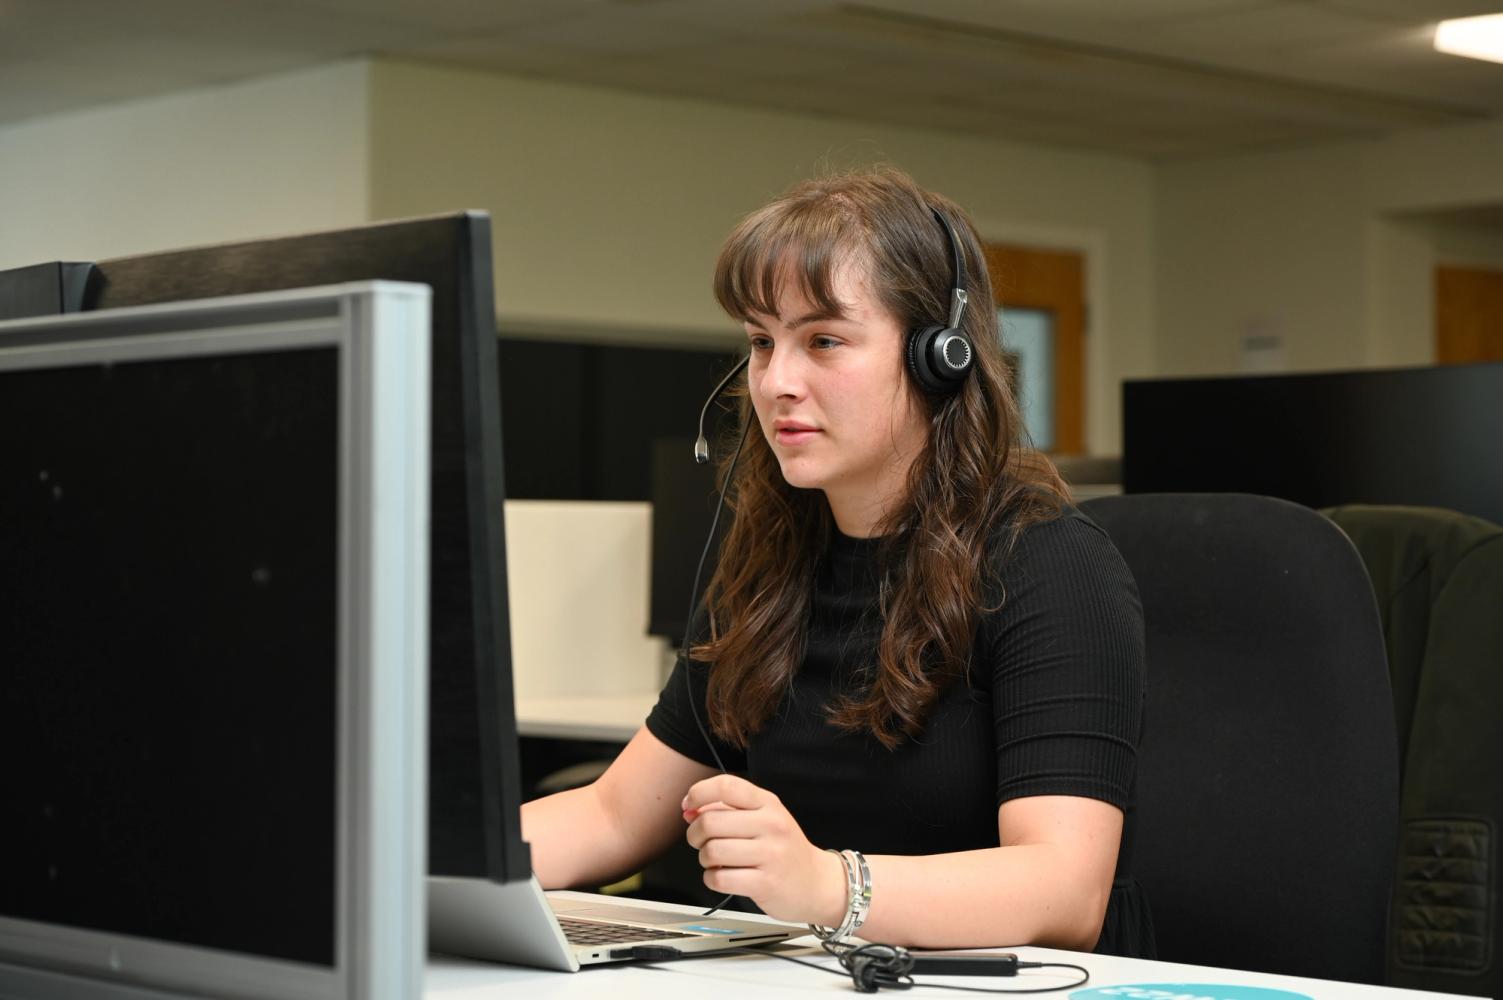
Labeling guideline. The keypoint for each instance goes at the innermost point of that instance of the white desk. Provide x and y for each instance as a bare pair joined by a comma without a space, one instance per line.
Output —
756,977
616,718
613,718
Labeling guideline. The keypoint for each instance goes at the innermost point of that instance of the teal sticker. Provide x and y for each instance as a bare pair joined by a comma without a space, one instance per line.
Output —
1185,991
707,929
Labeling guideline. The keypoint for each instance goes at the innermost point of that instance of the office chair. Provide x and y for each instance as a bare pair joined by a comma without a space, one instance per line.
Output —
1267,787
1438,575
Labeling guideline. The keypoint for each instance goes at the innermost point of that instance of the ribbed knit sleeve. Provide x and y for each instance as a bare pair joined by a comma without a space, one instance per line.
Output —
1066,659
672,719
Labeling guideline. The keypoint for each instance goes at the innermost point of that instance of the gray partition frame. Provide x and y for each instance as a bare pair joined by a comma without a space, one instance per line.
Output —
382,332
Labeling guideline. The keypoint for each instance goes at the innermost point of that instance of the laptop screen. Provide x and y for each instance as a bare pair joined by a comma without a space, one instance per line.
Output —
168,662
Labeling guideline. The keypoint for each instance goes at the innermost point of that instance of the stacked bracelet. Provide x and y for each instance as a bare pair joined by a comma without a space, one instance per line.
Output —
858,884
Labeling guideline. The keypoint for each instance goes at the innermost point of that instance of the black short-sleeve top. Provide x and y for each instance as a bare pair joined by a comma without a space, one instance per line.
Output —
1052,703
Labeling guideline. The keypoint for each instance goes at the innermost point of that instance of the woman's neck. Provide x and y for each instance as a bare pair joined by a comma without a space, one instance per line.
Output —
861,514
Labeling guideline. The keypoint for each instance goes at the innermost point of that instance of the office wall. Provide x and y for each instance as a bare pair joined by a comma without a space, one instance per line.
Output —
1260,246
269,156
1331,249
609,207
1437,169
1400,254
1477,245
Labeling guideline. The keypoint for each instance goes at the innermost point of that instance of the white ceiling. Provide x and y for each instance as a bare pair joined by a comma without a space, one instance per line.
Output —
1160,79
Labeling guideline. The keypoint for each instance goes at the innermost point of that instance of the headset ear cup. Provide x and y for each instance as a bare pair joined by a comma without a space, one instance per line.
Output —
939,358
953,354
919,366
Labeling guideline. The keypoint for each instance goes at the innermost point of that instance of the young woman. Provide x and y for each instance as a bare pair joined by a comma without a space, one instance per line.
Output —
922,666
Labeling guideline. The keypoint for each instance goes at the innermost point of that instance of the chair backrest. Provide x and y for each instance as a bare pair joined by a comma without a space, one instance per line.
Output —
1438,575
1267,790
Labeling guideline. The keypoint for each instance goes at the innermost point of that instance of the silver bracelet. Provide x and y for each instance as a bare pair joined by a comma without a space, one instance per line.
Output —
861,898
858,886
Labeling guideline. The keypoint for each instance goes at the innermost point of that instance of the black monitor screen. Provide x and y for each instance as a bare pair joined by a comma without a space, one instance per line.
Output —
474,786
1421,436
683,508
168,580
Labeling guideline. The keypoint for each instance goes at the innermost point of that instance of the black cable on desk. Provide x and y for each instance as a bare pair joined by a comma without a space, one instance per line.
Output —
877,966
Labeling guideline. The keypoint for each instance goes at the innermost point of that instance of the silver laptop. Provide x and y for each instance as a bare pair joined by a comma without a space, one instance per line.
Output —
516,922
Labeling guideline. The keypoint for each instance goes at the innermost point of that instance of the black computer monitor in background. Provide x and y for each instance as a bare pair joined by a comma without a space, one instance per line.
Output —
474,782
683,507
1419,436
43,289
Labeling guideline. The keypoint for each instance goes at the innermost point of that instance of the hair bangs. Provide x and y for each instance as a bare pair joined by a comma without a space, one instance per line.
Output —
786,246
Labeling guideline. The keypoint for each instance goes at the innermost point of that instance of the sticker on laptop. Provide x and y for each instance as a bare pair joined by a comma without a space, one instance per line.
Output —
1185,991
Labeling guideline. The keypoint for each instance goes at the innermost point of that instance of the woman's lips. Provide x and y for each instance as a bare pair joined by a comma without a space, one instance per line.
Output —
795,435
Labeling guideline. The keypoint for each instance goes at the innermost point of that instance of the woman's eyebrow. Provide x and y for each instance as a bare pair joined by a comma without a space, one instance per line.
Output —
793,324
814,317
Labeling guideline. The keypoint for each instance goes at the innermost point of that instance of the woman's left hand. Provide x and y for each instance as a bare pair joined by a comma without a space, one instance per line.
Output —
750,845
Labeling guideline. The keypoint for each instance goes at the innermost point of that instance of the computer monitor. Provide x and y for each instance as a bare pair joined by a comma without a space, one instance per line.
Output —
1422,436
605,405
43,289
212,704
474,782
683,507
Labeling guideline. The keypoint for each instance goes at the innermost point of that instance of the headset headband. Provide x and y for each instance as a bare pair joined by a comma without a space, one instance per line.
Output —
958,297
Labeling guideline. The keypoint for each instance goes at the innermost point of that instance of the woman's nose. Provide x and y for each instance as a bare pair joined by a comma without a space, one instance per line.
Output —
783,375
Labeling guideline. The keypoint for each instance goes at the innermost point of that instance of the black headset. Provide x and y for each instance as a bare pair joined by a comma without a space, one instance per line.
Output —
940,357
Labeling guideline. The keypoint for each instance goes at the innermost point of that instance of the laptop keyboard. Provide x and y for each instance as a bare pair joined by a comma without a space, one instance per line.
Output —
579,931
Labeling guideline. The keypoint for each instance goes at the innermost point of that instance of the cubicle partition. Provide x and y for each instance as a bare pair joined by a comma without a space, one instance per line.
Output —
1426,436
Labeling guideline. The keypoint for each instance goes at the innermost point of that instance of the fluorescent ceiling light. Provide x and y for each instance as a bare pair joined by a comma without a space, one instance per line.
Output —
1476,37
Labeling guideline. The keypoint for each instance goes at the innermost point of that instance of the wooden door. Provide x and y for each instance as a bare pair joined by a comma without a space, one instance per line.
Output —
1468,315
1052,282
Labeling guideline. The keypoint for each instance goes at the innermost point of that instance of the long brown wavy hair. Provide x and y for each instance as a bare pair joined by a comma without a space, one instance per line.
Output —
973,477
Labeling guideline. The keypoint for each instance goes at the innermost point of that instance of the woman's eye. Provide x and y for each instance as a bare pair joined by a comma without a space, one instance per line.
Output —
760,343
824,343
